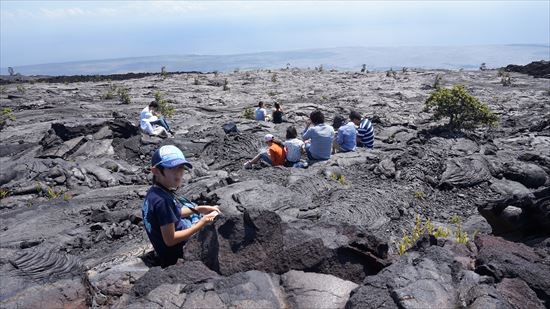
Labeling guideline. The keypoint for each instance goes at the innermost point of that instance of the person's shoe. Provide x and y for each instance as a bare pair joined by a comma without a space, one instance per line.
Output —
172,132
247,165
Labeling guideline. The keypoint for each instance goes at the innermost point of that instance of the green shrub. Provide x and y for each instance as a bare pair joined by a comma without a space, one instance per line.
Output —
248,113
339,178
274,77
21,89
164,107
52,193
225,85
419,195
123,95
110,94
460,236
462,109
427,228
7,113
4,193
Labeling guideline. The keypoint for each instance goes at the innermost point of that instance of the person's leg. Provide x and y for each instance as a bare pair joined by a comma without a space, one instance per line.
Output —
308,152
165,124
256,159
265,158
160,131
161,122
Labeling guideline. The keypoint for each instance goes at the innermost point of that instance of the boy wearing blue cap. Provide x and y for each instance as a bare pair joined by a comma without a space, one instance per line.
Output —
169,219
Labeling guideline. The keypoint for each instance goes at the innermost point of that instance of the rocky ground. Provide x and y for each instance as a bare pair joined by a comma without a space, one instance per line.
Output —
74,170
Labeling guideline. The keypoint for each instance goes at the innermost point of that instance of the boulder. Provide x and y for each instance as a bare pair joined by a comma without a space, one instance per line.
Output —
519,215
257,239
465,172
304,290
502,259
530,175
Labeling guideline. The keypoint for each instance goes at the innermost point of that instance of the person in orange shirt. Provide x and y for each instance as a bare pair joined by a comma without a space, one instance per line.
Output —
274,155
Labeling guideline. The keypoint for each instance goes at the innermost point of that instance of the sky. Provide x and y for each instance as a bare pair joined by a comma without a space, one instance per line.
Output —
35,32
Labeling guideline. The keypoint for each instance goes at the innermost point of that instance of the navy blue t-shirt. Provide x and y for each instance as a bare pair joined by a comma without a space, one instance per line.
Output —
161,208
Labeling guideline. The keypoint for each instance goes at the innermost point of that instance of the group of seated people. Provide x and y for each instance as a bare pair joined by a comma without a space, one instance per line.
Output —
320,141
260,113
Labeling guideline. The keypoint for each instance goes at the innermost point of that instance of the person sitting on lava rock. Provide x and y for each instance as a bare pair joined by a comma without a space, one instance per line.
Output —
365,134
274,155
278,113
170,220
346,138
320,136
260,113
294,148
153,124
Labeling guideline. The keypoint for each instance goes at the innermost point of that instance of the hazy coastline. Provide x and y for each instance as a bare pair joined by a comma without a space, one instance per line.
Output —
341,58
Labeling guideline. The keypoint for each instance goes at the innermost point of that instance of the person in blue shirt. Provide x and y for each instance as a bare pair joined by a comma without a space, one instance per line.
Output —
318,138
169,219
260,113
346,138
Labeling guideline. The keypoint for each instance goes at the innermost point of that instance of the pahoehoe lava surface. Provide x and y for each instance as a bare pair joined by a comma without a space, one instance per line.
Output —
75,168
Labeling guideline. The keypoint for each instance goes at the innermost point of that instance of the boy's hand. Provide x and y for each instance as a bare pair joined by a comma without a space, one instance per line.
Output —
210,217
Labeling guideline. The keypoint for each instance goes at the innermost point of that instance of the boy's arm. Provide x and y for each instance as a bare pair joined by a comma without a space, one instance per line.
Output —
171,237
186,212
200,209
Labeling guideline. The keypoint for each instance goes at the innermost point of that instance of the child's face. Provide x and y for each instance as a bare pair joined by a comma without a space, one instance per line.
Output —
172,177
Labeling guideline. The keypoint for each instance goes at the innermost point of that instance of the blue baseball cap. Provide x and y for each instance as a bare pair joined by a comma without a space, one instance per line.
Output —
169,156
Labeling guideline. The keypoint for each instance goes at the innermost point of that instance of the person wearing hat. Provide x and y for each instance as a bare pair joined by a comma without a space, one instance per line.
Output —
171,220
273,156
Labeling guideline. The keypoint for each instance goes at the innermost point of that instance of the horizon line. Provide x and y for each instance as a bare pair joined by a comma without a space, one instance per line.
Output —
273,51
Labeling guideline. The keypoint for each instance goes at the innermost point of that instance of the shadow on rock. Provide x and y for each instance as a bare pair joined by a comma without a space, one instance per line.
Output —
259,240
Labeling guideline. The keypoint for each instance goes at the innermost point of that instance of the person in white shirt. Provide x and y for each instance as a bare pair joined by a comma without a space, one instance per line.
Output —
260,112
152,124
294,147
